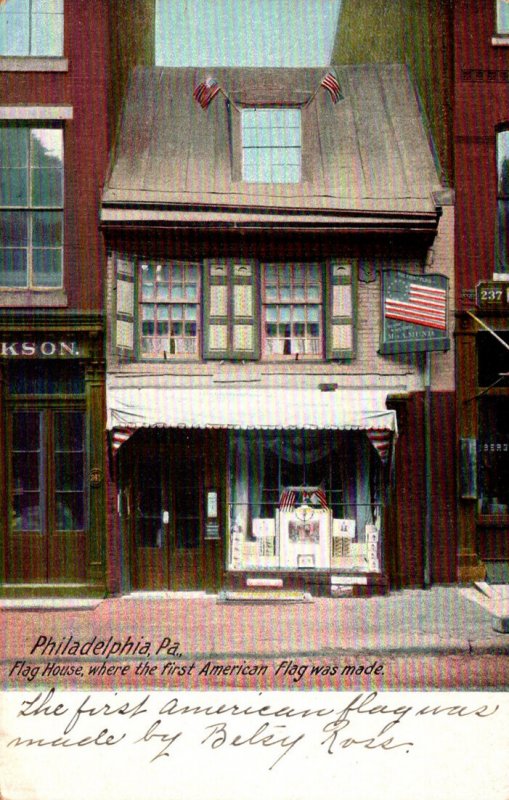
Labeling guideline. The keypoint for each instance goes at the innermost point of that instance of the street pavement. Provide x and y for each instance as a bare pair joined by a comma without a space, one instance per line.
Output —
409,639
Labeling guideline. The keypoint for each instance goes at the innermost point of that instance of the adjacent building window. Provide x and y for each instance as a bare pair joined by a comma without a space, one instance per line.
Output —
169,310
31,206
502,17
293,310
31,27
502,237
493,461
271,145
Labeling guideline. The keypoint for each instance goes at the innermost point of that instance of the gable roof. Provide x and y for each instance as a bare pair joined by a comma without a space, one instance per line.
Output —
365,159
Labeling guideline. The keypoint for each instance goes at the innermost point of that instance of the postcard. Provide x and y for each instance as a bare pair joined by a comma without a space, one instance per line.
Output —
254,442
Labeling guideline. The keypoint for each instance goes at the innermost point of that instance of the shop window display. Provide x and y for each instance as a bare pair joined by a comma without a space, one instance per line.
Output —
304,500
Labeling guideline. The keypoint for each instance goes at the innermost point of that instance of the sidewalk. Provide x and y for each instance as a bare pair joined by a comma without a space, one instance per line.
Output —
437,621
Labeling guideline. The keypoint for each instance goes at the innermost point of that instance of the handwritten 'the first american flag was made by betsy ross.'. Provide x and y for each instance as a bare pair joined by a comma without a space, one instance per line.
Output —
205,92
420,304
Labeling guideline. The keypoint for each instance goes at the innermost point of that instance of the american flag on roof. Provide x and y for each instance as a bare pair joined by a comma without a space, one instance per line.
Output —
421,305
331,83
205,92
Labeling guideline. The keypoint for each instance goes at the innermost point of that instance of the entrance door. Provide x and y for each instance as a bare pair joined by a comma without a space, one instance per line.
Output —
169,548
46,539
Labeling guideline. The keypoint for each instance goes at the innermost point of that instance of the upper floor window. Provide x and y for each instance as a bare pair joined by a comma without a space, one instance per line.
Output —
293,310
503,16
502,239
169,310
31,206
31,27
271,145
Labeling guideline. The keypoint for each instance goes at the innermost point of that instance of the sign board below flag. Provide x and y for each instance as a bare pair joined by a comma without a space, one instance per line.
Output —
414,312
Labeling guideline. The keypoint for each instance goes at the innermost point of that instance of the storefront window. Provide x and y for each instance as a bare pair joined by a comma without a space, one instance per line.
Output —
48,499
494,455
292,311
169,310
303,500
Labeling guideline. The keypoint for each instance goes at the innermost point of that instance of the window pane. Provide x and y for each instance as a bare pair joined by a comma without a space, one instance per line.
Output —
13,228
46,377
47,34
47,187
70,511
68,471
25,430
13,268
47,268
13,187
271,141
47,147
27,512
493,462
14,146
48,6
69,431
47,228
25,471
502,16
503,162
14,33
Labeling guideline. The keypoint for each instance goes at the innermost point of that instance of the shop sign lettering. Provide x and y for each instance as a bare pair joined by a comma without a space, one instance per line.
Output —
59,349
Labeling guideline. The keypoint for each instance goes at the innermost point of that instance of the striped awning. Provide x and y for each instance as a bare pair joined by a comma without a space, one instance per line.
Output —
251,409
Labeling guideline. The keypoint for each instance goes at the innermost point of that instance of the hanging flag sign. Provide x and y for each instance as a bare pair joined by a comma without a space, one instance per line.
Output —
414,312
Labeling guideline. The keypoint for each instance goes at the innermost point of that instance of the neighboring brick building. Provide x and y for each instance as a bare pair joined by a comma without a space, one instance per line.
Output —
53,156
481,138
252,398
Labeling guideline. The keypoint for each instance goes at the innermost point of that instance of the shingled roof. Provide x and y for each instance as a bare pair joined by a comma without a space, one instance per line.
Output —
367,158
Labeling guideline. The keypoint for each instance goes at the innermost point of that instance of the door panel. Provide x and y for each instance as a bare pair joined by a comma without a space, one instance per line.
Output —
150,547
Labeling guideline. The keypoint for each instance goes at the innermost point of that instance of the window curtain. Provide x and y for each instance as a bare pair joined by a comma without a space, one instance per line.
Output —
246,478
299,447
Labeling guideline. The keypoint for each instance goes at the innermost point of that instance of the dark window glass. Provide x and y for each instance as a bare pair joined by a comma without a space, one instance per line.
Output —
69,437
493,461
46,377
492,358
502,237
26,466
149,505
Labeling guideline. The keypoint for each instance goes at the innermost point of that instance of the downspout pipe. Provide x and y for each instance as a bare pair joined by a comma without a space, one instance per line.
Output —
428,519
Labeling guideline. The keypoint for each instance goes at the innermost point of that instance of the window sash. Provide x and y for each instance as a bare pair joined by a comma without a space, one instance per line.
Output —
271,145
169,310
292,311
32,28
31,207
502,17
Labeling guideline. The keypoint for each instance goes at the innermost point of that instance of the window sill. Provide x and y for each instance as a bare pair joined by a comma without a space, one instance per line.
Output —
33,64
52,298
500,40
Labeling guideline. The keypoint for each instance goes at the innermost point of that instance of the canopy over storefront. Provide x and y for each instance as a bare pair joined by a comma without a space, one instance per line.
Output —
251,409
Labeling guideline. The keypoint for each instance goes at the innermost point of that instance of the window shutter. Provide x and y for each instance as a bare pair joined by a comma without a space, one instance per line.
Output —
215,309
230,310
245,338
125,300
341,309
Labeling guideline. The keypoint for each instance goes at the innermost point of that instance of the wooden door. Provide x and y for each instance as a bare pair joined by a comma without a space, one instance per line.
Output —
170,549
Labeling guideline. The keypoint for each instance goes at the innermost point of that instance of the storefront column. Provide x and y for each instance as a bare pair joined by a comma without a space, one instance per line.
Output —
95,404
4,500
470,567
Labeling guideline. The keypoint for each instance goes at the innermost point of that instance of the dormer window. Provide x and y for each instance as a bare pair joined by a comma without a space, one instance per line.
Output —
271,145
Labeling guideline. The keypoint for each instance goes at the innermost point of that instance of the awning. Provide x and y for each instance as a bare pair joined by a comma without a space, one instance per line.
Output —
251,409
